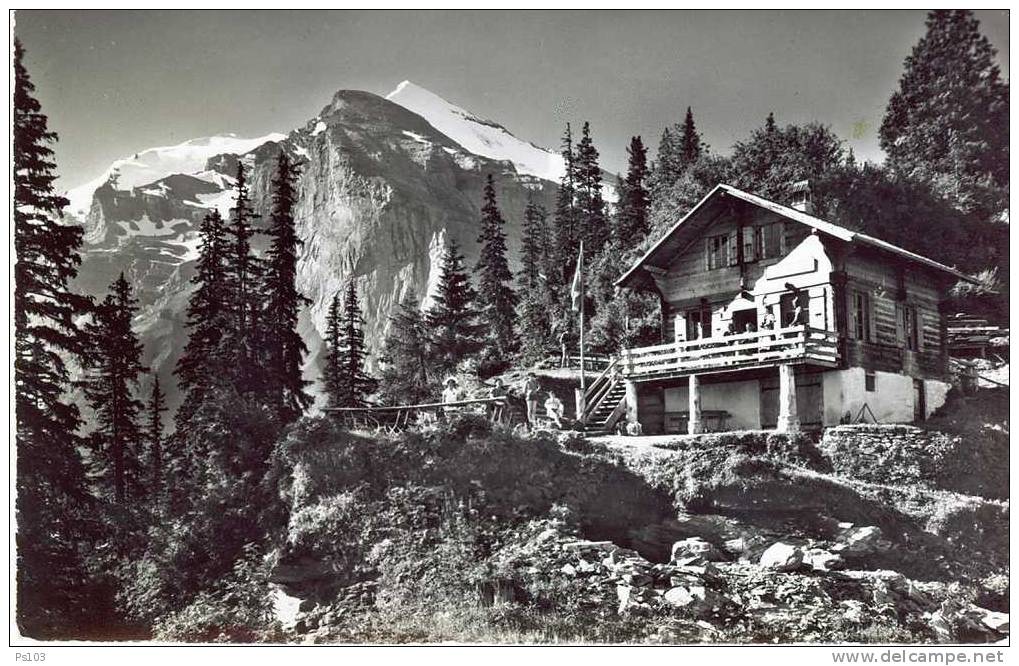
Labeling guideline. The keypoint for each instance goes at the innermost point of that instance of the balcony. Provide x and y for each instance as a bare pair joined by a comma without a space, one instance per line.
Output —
794,344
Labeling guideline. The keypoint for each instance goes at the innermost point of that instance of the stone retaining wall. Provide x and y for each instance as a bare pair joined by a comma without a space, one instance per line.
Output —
893,454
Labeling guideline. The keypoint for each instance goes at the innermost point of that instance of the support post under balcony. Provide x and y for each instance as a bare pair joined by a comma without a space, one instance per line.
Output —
788,419
695,424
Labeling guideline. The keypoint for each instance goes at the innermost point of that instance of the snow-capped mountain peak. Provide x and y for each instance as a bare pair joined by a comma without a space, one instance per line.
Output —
477,135
154,164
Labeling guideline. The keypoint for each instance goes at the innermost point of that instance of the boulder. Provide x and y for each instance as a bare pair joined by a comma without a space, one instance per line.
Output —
695,598
860,541
696,547
820,559
782,557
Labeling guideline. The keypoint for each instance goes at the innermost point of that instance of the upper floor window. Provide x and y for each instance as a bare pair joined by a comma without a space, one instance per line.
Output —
721,251
859,310
759,242
908,322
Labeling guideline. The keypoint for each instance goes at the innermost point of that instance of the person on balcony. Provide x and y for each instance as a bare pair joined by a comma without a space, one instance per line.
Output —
554,409
531,389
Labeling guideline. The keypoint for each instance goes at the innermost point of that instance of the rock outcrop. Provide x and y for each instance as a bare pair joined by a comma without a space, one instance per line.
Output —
381,192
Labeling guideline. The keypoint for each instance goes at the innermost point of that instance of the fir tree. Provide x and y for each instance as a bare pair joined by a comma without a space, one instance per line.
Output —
456,333
590,205
494,277
154,435
632,213
532,285
534,245
52,500
354,383
284,348
208,319
113,365
690,144
565,229
947,124
332,375
407,374
243,277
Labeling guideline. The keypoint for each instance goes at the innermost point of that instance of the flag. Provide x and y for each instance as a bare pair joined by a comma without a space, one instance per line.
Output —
577,288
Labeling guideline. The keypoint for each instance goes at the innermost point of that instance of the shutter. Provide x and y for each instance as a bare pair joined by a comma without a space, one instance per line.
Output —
733,240
900,325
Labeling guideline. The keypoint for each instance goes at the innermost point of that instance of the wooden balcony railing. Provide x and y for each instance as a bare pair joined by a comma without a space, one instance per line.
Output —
794,344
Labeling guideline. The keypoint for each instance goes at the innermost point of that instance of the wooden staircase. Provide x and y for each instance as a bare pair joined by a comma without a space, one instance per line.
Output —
604,401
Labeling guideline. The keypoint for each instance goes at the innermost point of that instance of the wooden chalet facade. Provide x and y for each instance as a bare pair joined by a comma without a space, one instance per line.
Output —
774,318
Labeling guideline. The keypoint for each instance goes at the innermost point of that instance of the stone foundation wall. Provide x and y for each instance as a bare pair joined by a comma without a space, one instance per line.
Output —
894,454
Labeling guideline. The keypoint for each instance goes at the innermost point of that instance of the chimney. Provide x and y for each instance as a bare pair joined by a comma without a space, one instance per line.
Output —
802,200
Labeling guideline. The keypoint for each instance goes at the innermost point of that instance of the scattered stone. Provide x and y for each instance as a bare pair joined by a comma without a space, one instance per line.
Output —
696,547
782,557
820,559
860,541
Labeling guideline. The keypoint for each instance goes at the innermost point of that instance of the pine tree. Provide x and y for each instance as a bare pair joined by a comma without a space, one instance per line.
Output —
284,348
52,499
590,205
243,278
947,124
534,245
494,278
113,365
690,143
355,384
332,372
532,281
202,364
565,224
154,435
456,333
632,214
407,373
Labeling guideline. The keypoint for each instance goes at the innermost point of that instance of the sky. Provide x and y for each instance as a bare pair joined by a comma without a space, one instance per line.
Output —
115,83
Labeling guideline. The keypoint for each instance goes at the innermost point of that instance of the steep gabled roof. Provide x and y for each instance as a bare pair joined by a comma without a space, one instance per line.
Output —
666,246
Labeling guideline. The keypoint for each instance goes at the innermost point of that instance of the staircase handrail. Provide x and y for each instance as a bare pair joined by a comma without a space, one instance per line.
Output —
594,385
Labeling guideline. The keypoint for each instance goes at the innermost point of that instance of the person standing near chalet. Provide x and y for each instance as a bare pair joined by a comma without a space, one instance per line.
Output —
500,390
564,361
531,388
450,394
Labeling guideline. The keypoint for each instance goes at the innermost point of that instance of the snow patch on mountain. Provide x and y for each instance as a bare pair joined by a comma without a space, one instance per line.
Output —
154,164
479,136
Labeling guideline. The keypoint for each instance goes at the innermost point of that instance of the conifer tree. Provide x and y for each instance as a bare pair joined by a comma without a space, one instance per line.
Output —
590,205
565,226
154,435
52,497
532,280
947,124
690,143
113,365
243,278
407,373
534,245
208,320
456,333
284,348
494,278
634,201
332,375
355,384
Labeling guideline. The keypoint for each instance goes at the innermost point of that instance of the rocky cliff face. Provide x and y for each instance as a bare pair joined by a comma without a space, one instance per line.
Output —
381,191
